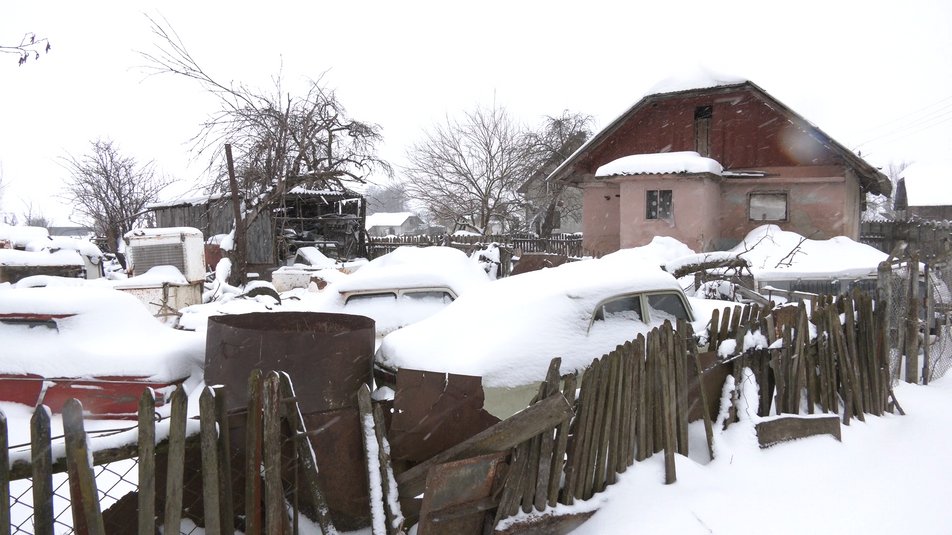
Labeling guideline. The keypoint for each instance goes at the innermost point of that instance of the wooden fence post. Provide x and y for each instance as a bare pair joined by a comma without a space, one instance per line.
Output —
912,322
146,452
4,477
176,466
930,320
42,463
253,455
271,427
210,483
226,505
87,518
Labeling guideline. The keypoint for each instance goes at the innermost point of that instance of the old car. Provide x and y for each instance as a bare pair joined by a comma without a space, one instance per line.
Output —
408,285
98,345
509,330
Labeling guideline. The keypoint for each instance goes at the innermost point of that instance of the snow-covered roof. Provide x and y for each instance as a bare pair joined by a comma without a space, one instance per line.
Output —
83,247
694,77
928,183
63,257
660,163
185,201
20,235
387,219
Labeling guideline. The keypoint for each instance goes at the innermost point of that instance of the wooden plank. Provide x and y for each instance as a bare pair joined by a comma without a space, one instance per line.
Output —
225,503
176,469
787,428
42,455
87,517
681,383
586,465
146,467
271,457
561,444
307,459
641,403
930,321
612,417
395,520
4,476
602,423
547,440
627,446
667,409
525,424
712,332
911,316
512,490
378,518
253,446
210,490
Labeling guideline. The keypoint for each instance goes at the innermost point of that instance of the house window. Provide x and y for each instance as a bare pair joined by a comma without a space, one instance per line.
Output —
770,206
658,204
702,130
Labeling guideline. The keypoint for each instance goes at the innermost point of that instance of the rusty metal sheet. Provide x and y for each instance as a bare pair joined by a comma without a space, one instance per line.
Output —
459,493
327,356
435,411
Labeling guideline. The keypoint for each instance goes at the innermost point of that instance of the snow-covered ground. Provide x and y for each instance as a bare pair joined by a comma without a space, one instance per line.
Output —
888,475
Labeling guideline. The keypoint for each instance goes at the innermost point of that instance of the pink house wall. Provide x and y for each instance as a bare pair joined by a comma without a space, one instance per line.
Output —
695,204
600,217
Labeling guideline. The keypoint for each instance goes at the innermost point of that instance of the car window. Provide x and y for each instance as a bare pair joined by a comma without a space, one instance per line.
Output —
666,306
435,295
371,298
627,307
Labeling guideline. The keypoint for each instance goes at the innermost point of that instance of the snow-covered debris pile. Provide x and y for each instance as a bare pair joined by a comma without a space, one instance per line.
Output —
775,253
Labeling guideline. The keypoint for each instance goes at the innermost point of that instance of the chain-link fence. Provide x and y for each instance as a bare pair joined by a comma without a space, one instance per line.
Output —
933,332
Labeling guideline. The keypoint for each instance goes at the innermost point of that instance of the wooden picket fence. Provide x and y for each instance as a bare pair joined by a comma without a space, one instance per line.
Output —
271,407
634,401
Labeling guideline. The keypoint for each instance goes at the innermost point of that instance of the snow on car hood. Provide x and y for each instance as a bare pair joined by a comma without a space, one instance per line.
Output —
509,330
109,333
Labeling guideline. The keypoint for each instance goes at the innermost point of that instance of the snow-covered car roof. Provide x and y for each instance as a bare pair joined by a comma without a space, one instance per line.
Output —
509,330
416,267
91,332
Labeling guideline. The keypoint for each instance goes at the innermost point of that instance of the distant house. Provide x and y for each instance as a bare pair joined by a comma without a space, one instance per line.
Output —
541,194
394,224
744,159
923,191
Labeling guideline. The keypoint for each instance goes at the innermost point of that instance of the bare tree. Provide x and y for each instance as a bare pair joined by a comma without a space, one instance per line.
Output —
467,171
109,190
281,141
30,47
33,216
556,140
389,198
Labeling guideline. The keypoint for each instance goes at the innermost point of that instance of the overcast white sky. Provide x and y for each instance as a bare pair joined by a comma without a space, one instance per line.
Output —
878,73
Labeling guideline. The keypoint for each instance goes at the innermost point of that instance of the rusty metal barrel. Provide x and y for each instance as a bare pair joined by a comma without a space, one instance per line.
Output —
328,356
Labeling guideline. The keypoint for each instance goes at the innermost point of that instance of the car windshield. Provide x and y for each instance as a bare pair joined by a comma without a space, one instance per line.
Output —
435,295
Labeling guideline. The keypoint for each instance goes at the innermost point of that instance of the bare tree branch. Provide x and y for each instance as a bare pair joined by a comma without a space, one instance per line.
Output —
29,47
109,190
